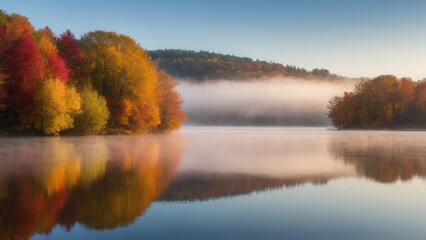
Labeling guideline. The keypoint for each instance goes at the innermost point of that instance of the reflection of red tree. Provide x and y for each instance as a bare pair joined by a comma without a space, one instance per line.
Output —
138,170
27,210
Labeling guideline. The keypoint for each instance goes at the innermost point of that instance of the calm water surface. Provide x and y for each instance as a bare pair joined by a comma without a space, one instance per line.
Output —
216,183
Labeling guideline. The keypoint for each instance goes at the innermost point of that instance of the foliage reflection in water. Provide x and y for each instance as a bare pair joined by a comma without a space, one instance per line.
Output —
107,182
100,182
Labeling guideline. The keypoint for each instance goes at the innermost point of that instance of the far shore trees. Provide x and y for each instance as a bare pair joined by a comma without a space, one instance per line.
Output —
382,102
204,66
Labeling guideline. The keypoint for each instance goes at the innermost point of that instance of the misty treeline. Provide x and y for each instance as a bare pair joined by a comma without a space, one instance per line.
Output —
382,102
274,101
102,83
203,66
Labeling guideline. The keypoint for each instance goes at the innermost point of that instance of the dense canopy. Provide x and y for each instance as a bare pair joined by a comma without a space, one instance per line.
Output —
382,102
103,82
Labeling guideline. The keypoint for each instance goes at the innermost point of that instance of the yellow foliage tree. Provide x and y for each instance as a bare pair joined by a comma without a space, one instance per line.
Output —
57,104
94,112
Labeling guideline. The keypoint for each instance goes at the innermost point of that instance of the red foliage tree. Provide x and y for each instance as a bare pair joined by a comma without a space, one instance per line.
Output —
58,66
71,53
3,93
12,28
54,64
23,70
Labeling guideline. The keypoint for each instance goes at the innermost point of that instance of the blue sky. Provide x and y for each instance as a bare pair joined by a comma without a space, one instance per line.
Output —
353,38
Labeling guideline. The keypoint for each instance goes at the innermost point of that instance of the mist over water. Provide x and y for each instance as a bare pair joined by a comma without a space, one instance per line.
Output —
277,101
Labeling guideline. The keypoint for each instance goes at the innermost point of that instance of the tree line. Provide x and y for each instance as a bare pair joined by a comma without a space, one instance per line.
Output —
382,102
102,82
203,66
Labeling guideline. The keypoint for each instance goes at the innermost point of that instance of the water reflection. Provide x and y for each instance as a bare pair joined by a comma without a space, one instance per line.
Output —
382,156
251,162
108,182
206,186
227,162
100,182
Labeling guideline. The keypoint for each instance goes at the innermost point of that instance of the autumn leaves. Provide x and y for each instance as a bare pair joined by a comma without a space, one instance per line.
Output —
382,102
103,82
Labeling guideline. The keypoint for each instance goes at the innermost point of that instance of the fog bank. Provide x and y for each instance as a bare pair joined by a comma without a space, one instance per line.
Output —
280,101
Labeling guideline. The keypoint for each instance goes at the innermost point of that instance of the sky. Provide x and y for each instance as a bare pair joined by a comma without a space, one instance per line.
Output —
351,38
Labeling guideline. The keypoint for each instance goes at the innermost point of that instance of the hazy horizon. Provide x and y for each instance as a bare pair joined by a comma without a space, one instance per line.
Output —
275,101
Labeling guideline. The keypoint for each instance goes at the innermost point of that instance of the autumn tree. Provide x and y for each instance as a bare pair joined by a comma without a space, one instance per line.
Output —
24,69
12,27
171,113
382,102
377,95
123,72
94,112
55,66
72,54
343,110
4,18
57,105
419,104
3,93
402,101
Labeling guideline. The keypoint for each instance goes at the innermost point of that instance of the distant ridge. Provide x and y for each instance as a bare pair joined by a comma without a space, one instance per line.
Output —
202,66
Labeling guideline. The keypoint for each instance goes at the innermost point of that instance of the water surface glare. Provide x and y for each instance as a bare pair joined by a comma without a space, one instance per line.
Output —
216,183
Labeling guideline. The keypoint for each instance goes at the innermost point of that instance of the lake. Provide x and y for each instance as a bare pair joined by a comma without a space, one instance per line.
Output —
216,183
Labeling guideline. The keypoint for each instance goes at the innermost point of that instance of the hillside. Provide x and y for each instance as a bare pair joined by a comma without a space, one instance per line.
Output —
203,66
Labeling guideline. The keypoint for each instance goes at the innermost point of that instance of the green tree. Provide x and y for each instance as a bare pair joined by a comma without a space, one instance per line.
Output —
94,112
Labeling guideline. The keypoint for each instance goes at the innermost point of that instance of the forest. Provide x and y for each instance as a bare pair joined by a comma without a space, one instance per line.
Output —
203,66
104,82
383,102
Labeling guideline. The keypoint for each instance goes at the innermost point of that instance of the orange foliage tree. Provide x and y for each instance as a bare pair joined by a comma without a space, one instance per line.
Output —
55,66
382,102
123,72
171,113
